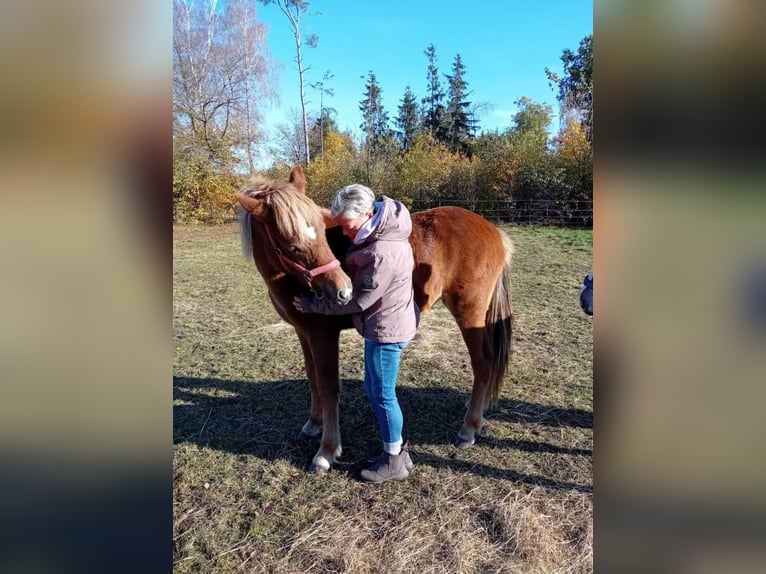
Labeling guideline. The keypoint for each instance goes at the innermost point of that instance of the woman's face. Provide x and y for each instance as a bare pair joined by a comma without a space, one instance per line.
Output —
351,226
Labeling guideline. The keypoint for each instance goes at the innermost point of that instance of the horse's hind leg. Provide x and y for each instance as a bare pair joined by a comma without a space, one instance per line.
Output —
479,349
471,320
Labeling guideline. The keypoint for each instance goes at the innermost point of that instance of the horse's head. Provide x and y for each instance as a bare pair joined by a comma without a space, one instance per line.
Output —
294,228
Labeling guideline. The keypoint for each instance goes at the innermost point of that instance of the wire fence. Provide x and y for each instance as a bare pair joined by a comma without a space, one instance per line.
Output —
548,212
536,212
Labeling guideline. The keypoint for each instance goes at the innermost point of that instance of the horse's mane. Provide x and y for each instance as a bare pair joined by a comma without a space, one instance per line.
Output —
292,209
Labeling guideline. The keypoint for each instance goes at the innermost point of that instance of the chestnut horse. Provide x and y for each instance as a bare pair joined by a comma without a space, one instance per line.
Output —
460,257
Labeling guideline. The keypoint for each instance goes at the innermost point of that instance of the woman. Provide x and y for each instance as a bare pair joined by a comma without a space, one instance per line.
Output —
586,294
380,264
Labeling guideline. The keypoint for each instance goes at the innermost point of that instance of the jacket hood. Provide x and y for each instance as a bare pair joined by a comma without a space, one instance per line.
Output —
395,223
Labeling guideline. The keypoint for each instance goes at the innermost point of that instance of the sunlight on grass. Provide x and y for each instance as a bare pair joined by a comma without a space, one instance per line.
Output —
519,500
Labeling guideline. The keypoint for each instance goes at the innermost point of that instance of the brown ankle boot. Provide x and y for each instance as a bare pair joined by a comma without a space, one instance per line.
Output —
381,458
387,467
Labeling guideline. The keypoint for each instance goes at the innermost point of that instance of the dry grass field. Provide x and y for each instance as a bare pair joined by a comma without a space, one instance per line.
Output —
520,500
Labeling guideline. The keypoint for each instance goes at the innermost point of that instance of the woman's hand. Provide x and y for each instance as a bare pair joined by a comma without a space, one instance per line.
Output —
298,305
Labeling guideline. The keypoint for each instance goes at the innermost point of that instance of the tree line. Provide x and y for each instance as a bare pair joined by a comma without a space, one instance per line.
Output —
432,152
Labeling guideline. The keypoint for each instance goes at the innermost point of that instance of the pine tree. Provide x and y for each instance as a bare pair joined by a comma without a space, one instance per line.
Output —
434,113
322,126
408,121
375,126
323,89
460,124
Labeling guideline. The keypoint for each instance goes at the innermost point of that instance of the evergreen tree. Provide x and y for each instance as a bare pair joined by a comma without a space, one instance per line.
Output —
375,126
323,89
434,113
460,125
322,126
408,120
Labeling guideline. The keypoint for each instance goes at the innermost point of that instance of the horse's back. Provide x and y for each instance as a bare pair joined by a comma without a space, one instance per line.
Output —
453,247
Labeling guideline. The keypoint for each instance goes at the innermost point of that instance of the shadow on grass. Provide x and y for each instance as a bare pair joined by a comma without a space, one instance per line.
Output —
262,419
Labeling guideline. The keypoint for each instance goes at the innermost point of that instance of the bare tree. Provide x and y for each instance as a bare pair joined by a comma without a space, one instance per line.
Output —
255,66
294,9
289,139
221,76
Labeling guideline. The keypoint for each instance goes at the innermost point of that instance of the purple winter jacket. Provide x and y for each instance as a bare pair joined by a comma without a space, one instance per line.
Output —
383,304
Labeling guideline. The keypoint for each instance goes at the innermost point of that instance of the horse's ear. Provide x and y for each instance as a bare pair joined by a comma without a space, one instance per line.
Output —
329,220
298,179
257,207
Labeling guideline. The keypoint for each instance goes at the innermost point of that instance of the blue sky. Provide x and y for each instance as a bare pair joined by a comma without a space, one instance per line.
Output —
505,47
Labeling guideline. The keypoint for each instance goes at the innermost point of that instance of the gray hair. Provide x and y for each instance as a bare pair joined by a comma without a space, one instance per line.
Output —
352,201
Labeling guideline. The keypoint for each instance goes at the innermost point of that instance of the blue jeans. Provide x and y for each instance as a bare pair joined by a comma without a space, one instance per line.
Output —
381,368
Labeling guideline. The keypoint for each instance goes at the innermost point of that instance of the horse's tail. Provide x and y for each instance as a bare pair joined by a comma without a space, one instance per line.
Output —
245,233
499,322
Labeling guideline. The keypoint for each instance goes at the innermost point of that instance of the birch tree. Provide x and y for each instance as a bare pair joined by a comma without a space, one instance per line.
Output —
294,9
222,77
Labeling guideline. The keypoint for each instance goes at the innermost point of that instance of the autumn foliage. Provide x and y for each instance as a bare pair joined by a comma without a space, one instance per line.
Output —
435,157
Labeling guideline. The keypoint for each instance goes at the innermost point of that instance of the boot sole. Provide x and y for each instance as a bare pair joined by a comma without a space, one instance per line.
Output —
392,479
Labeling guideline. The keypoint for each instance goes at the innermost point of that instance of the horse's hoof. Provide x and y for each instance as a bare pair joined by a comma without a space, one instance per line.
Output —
317,470
309,431
319,465
462,443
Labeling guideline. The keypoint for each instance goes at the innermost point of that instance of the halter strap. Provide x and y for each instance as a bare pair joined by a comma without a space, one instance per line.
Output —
288,264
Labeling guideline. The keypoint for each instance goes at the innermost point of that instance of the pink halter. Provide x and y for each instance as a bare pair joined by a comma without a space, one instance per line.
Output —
288,264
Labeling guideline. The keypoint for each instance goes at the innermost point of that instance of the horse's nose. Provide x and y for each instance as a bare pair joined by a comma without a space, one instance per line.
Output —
344,296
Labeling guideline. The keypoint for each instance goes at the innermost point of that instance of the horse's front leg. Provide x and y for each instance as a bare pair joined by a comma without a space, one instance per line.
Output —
324,349
313,426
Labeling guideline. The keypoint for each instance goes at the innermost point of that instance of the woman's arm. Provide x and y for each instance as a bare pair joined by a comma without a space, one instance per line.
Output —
370,283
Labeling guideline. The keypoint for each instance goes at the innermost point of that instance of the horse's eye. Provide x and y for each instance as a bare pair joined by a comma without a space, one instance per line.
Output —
295,249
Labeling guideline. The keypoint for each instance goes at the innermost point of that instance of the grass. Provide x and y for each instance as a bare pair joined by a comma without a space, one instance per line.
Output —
520,500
